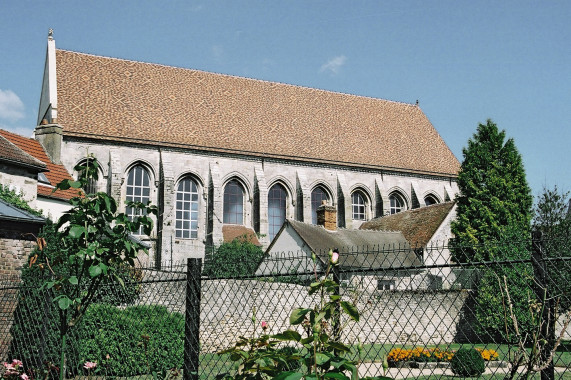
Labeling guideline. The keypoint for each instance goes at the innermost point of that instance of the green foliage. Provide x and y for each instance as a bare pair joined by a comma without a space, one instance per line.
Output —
128,342
36,326
17,200
237,258
553,220
492,303
467,362
494,194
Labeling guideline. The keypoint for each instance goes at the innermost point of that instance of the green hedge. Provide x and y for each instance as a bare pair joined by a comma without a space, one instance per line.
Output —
134,341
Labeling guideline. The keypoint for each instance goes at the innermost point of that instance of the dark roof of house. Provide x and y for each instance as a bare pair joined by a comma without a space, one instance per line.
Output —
357,248
121,100
55,173
417,225
11,213
231,232
12,154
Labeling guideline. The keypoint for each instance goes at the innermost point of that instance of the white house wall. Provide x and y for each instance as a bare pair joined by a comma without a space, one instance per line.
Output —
438,253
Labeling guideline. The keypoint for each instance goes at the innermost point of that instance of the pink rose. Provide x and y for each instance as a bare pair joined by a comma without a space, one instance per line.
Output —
264,325
334,257
24,376
90,365
17,363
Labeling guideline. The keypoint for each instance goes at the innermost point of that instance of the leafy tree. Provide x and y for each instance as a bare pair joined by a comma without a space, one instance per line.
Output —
494,195
553,220
95,242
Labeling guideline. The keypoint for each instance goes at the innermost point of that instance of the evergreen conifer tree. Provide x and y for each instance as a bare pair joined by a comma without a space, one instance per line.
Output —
495,199
493,224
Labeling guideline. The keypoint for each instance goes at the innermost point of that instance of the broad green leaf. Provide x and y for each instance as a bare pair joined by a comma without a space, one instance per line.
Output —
73,280
289,335
289,376
76,231
75,184
321,358
94,270
335,375
64,303
297,316
307,340
351,310
339,346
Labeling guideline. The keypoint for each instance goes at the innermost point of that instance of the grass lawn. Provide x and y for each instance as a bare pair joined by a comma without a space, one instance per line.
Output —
213,364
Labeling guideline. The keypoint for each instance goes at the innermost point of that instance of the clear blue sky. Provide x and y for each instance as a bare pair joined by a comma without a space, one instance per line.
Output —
465,61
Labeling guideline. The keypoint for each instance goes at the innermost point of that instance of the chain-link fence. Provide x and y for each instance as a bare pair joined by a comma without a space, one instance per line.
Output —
417,310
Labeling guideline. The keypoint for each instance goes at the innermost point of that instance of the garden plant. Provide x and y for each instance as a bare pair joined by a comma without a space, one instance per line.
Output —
319,350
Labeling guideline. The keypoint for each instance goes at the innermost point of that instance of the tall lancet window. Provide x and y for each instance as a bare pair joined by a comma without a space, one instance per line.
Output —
277,202
138,190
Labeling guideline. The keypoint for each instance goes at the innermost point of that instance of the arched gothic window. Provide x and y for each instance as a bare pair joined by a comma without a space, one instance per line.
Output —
317,196
138,190
187,202
277,203
233,203
430,200
93,185
359,205
397,203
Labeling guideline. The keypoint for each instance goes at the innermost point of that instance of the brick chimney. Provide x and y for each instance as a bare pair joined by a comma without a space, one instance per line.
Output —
327,216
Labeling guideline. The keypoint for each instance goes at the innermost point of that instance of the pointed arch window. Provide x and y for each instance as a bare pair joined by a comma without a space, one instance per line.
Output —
359,205
430,200
187,202
138,190
93,185
277,202
397,203
318,195
233,203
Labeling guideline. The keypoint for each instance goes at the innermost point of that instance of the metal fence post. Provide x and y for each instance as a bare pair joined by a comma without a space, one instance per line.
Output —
337,315
192,319
548,317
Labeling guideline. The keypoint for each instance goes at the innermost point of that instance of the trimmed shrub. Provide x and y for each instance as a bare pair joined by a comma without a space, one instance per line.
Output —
235,259
467,362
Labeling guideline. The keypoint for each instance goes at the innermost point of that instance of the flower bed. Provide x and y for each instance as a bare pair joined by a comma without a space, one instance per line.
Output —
398,356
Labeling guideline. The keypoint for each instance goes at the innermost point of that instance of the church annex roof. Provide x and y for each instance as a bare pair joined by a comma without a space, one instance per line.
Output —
357,248
122,100
417,225
54,173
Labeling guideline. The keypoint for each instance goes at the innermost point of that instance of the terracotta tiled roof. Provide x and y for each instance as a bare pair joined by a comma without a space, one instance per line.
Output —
124,100
11,153
418,225
56,173
235,231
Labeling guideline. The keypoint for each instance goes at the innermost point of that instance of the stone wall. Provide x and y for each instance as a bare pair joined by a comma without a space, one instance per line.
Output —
14,252
403,317
399,317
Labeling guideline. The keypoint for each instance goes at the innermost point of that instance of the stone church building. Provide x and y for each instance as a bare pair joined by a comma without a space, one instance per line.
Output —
215,151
